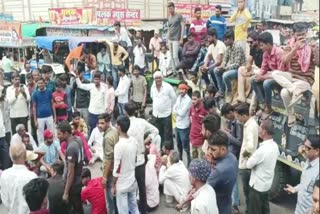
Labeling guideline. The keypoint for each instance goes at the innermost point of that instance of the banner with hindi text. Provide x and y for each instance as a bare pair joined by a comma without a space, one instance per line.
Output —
71,16
127,16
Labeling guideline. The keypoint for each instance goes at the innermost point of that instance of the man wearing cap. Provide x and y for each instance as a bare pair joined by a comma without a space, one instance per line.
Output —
204,198
155,46
163,99
182,110
13,179
52,151
309,175
175,34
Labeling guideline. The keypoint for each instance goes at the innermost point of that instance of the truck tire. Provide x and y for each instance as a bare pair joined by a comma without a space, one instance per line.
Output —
281,175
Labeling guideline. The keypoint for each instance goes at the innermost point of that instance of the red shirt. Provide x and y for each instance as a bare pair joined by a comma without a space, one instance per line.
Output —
94,193
272,61
197,114
60,105
43,211
199,29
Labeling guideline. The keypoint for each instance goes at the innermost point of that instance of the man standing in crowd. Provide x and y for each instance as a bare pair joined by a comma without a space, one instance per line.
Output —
122,91
104,64
110,138
228,70
98,103
81,97
13,179
182,111
309,175
204,199
164,98
234,131
241,18
210,124
138,128
73,168
4,146
155,46
139,53
43,112
124,184
249,145
175,35
224,175
198,26
89,59
218,22
7,65
123,35
262,162
262,83
18,98
139,91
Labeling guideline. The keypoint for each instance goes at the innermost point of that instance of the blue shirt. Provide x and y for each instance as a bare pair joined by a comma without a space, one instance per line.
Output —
43,99
222,180
218,23
52,152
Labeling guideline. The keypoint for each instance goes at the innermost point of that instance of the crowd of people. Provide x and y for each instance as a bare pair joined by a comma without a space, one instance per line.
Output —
53,130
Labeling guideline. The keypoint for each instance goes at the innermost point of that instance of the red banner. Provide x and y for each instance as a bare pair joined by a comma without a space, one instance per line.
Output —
71,16
10,33
109,16
187,11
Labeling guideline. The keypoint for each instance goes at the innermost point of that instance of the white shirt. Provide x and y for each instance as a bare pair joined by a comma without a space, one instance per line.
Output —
2,122
123,36
125,153
152,183
96,140
249,142
263,162
178,174
16,138
163,100
164,62
122,91
98,96
7,64
12,182
103,62
18,105
139,56
138,127
215,51
182,110
204,201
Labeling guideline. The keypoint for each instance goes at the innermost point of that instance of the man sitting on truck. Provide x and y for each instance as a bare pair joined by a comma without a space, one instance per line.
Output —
300,59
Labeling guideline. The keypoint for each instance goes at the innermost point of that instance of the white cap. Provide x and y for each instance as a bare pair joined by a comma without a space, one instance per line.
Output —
157,74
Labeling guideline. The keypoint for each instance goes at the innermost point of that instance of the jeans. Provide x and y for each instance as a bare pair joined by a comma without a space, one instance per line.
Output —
227,77
164,125
4,154
183,143
235,195
263,90
114,74
127,202
93,120
141,180
42,123
174,52
245,177
17,121
121,108
111,201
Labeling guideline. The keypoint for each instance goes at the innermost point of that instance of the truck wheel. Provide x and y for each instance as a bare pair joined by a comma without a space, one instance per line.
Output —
281,175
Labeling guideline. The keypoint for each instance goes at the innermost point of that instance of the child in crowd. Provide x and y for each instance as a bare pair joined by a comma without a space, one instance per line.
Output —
60,104
139,90
80,123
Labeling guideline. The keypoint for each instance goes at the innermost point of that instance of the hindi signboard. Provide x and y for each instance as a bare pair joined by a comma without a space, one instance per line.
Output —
187,11
10,33
71,16
109,16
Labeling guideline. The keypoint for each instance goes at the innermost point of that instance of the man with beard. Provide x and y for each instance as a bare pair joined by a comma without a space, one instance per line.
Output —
224,175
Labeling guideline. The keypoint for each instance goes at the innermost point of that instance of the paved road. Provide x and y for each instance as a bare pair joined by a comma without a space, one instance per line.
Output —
284,207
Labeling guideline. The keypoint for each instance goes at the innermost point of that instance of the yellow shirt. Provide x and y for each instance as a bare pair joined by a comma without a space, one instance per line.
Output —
242,20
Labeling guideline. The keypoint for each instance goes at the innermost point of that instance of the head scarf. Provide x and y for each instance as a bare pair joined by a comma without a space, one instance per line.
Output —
200,169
